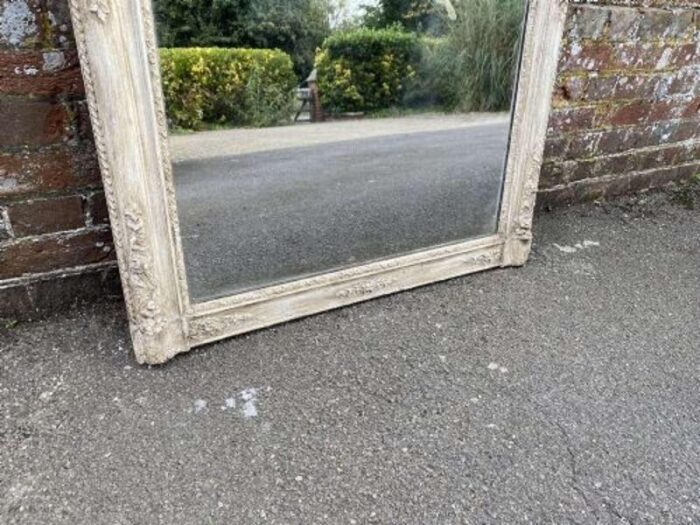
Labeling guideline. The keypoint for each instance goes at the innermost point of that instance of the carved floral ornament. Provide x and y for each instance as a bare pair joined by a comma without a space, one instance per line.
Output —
147,238
100,9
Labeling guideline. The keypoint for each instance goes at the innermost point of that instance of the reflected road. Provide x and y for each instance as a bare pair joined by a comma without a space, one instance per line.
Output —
266,217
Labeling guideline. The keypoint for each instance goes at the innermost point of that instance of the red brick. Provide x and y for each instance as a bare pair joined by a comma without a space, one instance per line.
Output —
45,73
46,215
636,87
587,56
685,55
58,168
636,55
691,109
46,253
628,114
35,122
566,120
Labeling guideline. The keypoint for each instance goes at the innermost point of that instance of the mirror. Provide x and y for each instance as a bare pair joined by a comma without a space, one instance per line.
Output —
272,159
358,133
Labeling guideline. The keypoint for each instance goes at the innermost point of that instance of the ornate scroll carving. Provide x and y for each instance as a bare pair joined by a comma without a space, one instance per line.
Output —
206,328
146,317
483,259
100,8
365,288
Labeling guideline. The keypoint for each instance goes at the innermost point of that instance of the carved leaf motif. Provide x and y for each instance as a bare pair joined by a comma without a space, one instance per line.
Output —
364,289
147,319
485,259
214,327
100,8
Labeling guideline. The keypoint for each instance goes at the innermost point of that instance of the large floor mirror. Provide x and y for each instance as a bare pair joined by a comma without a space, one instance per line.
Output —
272,159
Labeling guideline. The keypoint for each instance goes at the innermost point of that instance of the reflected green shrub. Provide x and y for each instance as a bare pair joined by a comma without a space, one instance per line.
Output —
203,87
366,69
470,68
473,67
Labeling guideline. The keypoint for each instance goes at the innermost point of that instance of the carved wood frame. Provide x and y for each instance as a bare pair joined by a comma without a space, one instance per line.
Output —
119,59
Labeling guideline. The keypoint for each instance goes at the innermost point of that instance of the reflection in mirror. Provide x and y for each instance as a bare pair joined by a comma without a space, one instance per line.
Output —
313,135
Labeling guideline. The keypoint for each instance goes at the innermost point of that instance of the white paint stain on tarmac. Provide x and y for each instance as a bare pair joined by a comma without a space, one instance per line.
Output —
250,398
576,247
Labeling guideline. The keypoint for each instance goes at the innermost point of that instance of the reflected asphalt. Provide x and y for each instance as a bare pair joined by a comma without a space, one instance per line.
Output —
265,217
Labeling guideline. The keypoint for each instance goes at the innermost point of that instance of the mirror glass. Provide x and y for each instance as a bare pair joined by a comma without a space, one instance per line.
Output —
314,135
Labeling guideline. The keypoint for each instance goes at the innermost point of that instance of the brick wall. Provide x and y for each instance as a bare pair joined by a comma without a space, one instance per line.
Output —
55,244
625,119
626,106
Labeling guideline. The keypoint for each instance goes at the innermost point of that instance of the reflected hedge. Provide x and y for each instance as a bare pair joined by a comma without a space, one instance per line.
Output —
205,87
366,69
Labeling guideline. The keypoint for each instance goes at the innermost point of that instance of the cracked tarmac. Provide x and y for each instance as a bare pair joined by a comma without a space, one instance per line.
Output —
563,392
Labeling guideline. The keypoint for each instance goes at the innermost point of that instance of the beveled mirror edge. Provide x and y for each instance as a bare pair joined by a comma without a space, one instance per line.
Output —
118,55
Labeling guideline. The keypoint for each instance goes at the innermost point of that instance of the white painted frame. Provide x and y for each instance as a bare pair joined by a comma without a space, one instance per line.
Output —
119,59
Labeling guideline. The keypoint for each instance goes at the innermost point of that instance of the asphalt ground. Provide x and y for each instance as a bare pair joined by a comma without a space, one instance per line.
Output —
567,391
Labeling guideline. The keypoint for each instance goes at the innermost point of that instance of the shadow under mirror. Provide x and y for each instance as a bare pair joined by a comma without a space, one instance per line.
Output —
314,135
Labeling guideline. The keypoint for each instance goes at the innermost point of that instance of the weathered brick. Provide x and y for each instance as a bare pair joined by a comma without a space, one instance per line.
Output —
600,88
45,295
555,147
583,145
32,121
584,169
587,22
570,89
571,119
628,114
690,109
45,73
97,209
39,216
685,81
636,87
613,141
5,230
587,56
685,55
660,177
36,24
57,168
637,55
616,164
624,24
21,26
686,130
688,153
551,174
52,252
654,24
684,25
57,27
